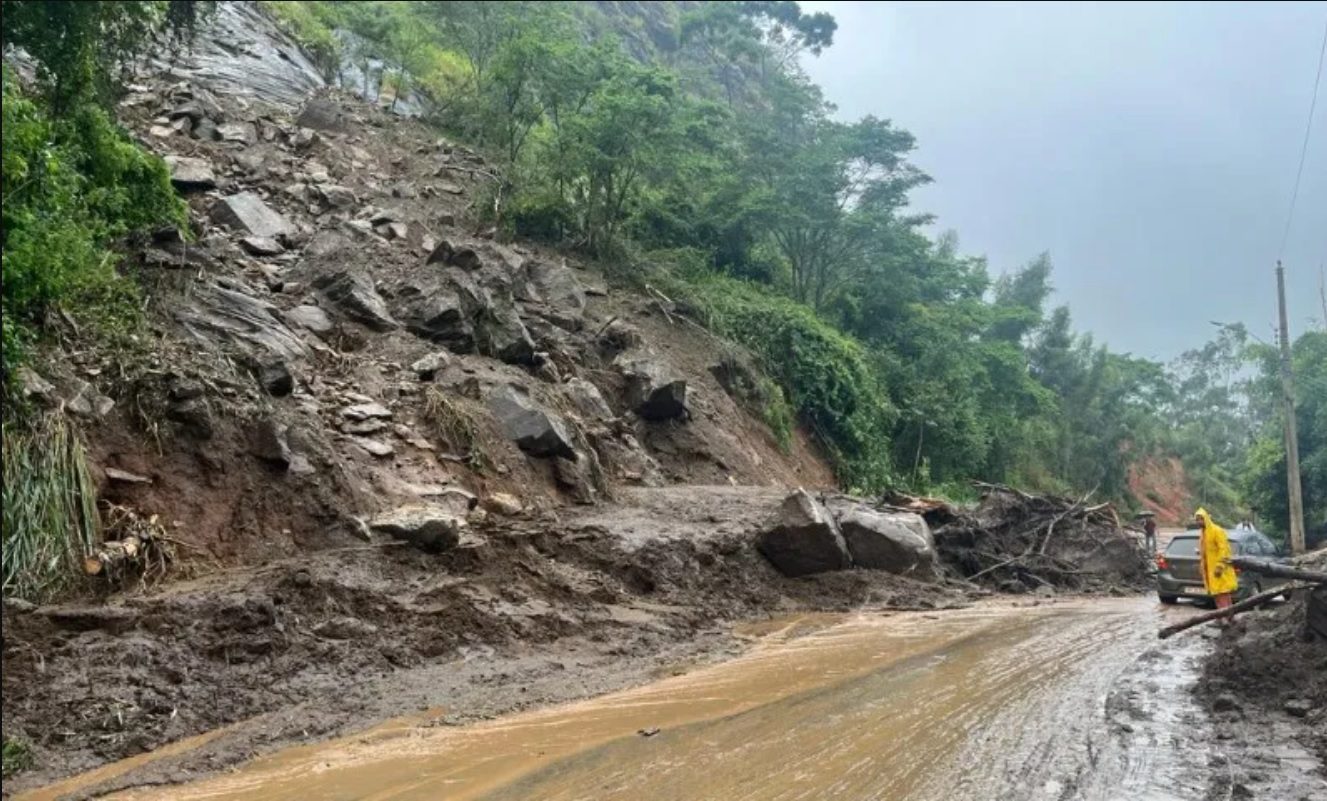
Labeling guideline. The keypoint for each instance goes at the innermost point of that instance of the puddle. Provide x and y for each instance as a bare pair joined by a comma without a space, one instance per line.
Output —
868,706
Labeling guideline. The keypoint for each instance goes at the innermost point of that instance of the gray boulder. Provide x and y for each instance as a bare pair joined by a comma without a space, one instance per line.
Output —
438,315
428,366
247,212
190,174
532,429
427,527
653,390
311,318
354,294
270,443
804,538
588,400
898,542
321,114
273,374
557,288
455,256
467,312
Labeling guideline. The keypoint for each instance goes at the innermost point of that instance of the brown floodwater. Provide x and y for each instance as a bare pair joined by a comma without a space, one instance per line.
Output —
1065,700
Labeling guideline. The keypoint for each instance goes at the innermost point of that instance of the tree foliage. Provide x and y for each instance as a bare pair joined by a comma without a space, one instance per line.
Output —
73,181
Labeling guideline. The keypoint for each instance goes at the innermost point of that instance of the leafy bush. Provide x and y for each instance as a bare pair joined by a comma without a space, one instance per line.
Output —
17,756
823,373
71,185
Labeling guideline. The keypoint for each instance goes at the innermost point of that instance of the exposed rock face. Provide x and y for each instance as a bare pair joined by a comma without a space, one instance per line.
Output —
221,317
588,400
804,538
896,542
429,528
353,293
532,429
653,391
247,212
274,376
467,312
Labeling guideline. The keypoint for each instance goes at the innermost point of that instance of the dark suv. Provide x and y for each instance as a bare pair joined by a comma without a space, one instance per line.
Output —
1179,574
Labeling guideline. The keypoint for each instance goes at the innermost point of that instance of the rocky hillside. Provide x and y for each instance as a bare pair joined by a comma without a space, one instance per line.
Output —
338,341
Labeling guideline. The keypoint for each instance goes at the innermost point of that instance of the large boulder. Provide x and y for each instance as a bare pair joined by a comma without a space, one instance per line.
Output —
899,542
322,114
189,174
588,400
532,429
467,312
248,213
353,293
427,527
653,390
437,314
804,538
557,288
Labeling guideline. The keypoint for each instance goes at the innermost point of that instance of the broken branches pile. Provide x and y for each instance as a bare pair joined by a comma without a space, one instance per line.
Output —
1018,541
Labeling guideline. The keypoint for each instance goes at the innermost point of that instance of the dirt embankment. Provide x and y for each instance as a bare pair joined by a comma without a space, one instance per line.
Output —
1266,684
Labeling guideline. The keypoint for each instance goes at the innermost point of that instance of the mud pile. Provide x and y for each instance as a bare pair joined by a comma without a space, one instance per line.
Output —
1018,542
531,607
1269,669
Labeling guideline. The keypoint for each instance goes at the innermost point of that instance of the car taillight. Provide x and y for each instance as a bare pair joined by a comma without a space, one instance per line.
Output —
1162,564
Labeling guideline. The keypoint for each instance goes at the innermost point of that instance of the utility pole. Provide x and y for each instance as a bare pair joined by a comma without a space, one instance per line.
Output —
1292,437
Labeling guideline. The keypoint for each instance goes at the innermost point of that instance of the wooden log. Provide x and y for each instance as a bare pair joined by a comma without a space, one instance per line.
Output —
112,555
1278,570
1230,611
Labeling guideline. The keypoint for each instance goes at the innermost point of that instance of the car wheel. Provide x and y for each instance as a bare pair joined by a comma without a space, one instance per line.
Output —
1168,599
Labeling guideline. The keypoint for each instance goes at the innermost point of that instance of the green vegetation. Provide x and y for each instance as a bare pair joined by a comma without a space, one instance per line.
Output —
681,144
17,756
73,181
73,185
50,515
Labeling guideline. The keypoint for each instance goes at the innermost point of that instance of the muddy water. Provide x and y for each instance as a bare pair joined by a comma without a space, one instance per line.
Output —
1070,700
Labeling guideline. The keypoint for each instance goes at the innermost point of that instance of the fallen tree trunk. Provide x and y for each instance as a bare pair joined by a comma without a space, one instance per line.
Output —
1230,611
1280,571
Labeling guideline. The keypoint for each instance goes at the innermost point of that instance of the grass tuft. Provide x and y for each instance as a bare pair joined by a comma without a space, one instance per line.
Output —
50,514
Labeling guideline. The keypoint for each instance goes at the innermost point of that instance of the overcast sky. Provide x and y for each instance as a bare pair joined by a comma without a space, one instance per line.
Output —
1150,148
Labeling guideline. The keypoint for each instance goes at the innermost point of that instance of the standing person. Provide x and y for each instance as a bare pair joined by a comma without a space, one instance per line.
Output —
1150,535
1219,578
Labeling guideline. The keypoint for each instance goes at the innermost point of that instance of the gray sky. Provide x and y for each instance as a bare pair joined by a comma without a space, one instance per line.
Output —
1151,148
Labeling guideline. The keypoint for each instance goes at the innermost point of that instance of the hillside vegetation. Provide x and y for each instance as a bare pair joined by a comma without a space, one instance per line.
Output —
681,146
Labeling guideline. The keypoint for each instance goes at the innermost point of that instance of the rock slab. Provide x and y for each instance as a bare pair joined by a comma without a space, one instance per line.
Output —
804,538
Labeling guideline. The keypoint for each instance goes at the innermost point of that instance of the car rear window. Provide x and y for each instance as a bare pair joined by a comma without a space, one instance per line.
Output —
1183,546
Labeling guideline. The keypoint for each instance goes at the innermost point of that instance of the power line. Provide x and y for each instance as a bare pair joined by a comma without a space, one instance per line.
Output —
1303,151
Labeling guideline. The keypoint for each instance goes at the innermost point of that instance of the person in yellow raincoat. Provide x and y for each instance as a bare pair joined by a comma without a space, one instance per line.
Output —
1219,577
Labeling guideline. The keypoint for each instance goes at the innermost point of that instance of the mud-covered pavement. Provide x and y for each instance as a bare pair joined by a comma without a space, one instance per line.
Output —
1074,699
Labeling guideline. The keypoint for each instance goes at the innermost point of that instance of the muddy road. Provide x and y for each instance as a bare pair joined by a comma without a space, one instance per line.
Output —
1074,699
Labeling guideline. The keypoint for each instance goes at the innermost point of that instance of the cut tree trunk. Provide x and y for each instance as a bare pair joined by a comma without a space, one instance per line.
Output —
112,556
1245,605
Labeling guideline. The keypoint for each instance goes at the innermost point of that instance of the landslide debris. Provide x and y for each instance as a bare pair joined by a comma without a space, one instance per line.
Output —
1019,542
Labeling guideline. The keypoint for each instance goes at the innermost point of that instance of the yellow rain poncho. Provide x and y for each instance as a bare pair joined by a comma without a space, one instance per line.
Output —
1214,556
